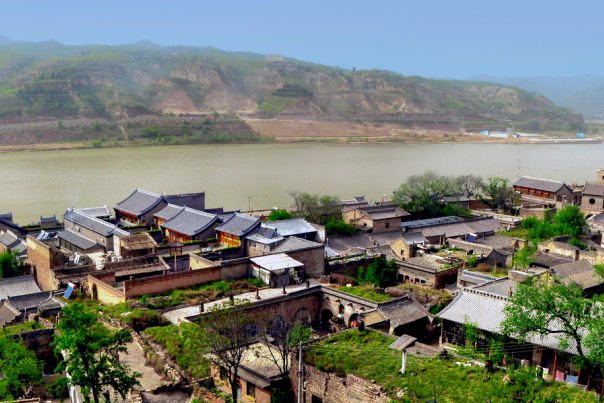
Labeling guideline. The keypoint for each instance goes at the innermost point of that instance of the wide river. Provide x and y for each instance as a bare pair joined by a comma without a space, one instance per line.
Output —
233,176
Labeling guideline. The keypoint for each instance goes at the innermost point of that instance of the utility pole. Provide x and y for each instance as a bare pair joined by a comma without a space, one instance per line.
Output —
518,170
300,373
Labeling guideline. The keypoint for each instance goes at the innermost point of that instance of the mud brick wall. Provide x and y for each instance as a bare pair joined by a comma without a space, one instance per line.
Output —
42,257
171,281
234,269
103,291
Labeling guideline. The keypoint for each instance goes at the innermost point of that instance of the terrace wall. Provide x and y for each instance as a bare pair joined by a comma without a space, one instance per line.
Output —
334,389
170,281
234,269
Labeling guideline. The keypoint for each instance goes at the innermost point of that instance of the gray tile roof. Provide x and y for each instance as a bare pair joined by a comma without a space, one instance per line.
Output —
294,243
499,287
343,244
139,202
22,302
94,224
190,222
451,230
15,286
402,311
264,240
580,272
476,278
8,314
168,212
593,188
413,238
540,184
383,212
9,239
239,225
486,311
293,226
548,259
7,216
52,219
421,262
598,218
96,211
78,240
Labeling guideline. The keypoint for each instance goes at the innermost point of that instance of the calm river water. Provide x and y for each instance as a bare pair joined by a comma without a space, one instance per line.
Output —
46,183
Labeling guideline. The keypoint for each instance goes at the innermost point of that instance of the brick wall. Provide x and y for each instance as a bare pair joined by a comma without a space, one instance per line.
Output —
313,259
333,389
42,257
170,281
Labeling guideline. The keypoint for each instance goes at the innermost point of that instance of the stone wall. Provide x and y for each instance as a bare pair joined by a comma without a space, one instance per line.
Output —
334,389
42,257
434,278
39,341
349,263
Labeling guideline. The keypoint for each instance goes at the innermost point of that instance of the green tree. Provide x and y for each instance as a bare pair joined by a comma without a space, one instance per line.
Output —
279,214
20,368
226,333
96,126
215,115
382,272
93,354
97,143
570,221
423,192
499,191
315,208
60,124
339,227
10,264
548,306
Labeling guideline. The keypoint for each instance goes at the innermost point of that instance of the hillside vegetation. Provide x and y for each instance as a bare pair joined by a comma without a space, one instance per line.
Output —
50,81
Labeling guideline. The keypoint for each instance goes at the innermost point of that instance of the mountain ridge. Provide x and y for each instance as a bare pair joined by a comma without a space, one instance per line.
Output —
50,80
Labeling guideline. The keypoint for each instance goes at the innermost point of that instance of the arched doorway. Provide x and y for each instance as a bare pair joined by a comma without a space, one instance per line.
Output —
354,320
303,316
326,315
341,309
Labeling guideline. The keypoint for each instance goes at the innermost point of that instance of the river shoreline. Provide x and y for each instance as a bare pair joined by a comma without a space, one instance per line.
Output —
328,140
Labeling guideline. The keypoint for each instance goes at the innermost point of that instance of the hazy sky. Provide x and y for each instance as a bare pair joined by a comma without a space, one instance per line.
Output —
453,38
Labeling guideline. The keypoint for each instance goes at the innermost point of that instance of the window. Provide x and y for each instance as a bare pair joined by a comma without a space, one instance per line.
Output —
387,225
251,390
252,244
592,201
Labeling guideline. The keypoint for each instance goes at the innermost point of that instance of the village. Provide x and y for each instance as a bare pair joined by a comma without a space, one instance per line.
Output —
325,301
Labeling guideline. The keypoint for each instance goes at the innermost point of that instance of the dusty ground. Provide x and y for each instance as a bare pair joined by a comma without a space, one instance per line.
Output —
41,147
135,358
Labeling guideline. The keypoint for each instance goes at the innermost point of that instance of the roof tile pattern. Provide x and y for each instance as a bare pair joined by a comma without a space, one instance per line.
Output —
139,202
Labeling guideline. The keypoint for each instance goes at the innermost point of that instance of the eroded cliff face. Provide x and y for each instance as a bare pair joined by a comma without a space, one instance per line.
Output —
190,84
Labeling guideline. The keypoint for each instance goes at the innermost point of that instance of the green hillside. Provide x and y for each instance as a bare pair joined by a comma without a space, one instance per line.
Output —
48,80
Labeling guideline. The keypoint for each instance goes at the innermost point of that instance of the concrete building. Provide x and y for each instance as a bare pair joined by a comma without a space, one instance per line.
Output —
592,200
311,254
272,234
277,270
269,58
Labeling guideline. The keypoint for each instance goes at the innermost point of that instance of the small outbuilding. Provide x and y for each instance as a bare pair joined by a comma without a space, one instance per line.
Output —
277,270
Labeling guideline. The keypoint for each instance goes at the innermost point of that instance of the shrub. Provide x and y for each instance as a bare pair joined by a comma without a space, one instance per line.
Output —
279,214
382,272
153,231
97,143
211,240
339,227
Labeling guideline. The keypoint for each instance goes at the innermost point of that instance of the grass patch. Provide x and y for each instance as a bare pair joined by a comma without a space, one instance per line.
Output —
367,291
518,232
181,344
367,354
204,292
20,328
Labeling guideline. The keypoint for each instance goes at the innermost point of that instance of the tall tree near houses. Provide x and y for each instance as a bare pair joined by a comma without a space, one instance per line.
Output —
549,306
470,184
92,352
226,333
423,192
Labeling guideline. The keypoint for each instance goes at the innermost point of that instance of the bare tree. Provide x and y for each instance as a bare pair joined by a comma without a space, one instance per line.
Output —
227,332
277,330
470,184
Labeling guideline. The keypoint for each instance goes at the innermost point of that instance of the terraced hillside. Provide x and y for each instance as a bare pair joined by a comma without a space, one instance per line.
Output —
50,81
295,129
